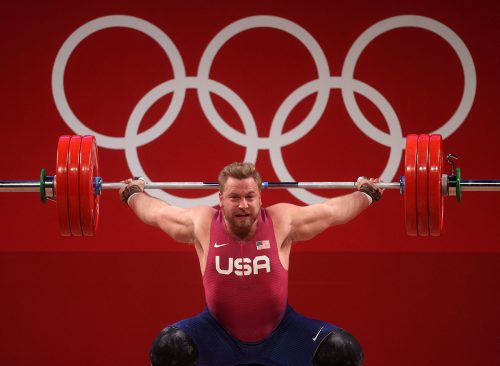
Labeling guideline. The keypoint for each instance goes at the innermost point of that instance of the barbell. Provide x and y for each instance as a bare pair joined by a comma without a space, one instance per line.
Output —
77,185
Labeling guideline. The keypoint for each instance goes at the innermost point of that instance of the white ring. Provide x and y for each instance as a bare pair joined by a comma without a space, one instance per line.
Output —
419,22
74,40
256,22
376,98
168,87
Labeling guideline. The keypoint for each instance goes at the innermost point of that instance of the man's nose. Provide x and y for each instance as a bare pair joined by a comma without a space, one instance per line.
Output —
243,203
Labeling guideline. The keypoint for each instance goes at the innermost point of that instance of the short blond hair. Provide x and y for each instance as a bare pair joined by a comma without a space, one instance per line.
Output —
239,171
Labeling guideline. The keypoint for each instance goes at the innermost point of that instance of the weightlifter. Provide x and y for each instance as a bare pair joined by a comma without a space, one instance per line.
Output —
243,251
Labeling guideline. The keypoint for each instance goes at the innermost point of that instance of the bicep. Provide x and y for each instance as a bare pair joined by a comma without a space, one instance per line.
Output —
177,222
296,223
308,221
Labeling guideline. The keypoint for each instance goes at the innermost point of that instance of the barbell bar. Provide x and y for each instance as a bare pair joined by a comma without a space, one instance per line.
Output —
77,185
49,184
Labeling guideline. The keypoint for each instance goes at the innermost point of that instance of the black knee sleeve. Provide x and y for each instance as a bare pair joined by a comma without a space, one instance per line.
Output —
173,347
339,348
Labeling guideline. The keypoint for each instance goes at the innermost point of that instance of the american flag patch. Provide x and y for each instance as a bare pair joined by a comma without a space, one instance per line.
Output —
263,244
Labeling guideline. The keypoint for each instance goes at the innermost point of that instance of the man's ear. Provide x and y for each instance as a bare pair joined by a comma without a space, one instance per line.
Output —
220,198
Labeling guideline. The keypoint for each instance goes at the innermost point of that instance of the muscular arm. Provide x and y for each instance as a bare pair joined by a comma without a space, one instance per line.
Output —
296,223
182,224
175,221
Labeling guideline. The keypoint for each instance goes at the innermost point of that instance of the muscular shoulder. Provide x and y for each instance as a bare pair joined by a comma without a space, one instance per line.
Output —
202,215
281,211
202,219
296,223
282,216
185,225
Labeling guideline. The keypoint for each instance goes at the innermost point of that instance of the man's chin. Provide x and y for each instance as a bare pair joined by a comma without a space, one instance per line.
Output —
242,224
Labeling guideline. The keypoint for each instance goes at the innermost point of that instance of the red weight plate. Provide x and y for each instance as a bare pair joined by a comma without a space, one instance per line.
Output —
423,185
89,201
436,199
74,186
410,187
62,185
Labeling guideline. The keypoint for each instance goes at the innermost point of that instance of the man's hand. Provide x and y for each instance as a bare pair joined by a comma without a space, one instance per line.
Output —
133,186
368,187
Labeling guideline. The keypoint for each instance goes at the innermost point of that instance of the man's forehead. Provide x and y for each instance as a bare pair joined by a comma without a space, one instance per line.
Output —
246,184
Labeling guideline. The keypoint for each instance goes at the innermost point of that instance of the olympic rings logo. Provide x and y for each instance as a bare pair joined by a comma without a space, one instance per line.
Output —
204,85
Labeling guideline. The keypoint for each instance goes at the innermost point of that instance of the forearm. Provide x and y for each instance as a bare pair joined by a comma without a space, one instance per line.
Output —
345,208
349,206
146,208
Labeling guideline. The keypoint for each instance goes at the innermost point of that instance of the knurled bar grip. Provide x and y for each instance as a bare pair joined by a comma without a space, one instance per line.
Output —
266,185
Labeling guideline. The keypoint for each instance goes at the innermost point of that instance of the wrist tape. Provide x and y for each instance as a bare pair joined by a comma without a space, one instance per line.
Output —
372,192
129,191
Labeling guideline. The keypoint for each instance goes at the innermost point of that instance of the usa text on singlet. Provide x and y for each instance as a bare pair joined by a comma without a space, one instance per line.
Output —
246,286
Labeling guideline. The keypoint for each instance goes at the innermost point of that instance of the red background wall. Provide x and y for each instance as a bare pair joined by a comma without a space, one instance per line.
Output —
101,300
